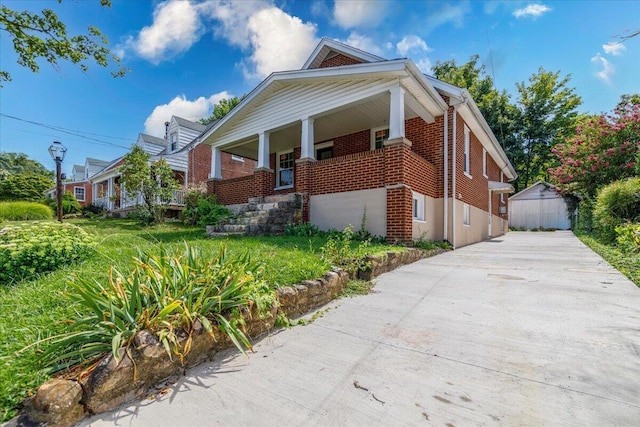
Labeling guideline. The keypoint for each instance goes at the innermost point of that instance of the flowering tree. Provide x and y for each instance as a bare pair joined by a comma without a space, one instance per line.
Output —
604,149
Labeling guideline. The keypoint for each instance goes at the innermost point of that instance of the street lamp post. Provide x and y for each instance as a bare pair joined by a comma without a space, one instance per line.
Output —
57,152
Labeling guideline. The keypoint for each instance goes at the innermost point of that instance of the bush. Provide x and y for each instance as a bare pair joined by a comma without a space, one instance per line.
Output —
25,186
628,238
38,247
616,204
203,209
302,230
91,211
165,294
24,211
70,204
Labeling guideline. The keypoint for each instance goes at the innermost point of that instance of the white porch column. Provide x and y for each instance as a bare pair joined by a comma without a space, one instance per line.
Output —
306,143
396,113
263,150
216,165
110,193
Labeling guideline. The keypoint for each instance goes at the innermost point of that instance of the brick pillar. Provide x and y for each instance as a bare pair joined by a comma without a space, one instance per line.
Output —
212,186
399,197
303,184
265,181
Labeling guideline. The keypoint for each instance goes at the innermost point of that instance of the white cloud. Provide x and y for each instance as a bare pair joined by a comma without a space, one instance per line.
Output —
176,27
448,14
358,13
182,107
363,43
411,43
424,65
234,18
279,42
607,68
613,48
532,11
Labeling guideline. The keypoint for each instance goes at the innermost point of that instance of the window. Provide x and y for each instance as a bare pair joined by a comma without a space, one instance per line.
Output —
418,207
285,170
501,180
467,166
466,215
78,192
237,158
378,137
324,151
174,141
484,163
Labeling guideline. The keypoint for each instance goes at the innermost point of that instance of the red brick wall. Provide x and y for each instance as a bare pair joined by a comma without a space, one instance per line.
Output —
338,60
88,191
427,141
233,191
359,171
200,165
421,175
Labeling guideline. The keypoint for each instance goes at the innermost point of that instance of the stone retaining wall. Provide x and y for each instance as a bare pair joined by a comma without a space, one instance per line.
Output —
111,383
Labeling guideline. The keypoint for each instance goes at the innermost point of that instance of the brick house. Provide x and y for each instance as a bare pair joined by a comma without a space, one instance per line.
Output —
80,184
358,136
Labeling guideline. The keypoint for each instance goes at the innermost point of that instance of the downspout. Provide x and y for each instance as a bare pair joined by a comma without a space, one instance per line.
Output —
453,178
446,176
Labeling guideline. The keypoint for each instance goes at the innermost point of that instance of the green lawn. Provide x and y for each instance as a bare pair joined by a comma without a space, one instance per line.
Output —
35,309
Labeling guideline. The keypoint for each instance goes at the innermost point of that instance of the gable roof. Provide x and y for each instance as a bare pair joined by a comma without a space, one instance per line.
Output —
197,139
199,127
150,139
96,162
328,47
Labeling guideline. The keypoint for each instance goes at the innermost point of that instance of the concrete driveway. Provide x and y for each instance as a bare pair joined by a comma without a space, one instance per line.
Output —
528,329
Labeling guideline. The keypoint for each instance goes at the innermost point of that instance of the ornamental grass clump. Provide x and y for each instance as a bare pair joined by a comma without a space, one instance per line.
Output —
24,211
166,294
38,247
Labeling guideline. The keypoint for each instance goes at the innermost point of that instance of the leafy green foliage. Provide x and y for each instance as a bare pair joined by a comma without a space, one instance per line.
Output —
70,204
24,211
342,251
626,263
616,204
25,186
37,247
203,209
222,108
628,238
154,181
166,294
43,35
302,230
19,163
428,245
603,150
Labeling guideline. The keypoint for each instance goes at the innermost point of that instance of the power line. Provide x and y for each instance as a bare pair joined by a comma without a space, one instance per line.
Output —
78,133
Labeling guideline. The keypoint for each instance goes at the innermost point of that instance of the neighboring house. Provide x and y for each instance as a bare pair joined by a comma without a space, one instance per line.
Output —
80,185
539,206
361,137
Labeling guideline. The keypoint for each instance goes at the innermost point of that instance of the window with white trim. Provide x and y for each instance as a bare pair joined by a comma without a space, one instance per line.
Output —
324,151
378,137
467,162
78,192
484,163
418,207
501,180
466,215
284,177
237,158
174,141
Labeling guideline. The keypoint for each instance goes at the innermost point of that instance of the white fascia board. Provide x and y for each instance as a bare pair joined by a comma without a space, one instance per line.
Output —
379,67
490,141
452,91
427,86
342,48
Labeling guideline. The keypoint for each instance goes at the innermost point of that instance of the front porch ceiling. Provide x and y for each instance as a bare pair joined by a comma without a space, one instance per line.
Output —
369,113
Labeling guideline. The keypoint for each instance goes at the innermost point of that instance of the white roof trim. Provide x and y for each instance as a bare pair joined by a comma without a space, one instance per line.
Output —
341,48
500,187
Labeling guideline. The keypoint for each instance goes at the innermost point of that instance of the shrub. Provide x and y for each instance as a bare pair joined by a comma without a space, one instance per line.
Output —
616,203
341,252
628,237
165,294
38,247
203,209
24,211
70,204
430,244
302,230
91,211
25,186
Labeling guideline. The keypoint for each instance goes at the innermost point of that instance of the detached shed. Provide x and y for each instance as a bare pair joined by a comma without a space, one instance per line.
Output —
538,206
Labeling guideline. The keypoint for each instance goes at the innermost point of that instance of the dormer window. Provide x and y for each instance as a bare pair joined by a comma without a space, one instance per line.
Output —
174,141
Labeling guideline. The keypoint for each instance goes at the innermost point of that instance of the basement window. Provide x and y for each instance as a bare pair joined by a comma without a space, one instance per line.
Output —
418,207
466,215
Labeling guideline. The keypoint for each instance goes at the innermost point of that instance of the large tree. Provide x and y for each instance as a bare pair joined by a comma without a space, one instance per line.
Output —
19,163
43,36
222,108
153,181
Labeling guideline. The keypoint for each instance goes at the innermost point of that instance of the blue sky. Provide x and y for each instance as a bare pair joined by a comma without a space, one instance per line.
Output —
186,55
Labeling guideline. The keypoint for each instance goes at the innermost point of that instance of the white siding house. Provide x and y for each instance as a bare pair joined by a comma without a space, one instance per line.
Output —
538,206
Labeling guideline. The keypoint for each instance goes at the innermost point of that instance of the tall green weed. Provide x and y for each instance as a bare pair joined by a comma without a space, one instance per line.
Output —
24,211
